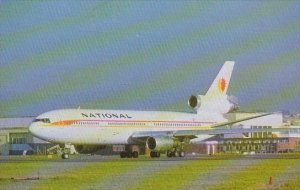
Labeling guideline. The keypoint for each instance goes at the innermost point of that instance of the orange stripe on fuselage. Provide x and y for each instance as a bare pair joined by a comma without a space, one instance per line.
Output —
65,123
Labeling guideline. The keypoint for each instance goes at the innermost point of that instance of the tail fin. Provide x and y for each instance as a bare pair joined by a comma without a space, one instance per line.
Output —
221,82
216,100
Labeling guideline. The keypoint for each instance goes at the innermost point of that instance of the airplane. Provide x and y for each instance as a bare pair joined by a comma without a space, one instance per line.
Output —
159,131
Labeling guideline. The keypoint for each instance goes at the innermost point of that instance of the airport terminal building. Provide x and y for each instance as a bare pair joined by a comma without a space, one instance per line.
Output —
15,138
256,142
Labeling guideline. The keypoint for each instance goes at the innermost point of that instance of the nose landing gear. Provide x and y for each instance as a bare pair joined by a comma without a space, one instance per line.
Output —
65,156
65,151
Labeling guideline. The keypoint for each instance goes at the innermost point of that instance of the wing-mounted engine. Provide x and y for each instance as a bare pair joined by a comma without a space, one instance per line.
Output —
173,146
159,143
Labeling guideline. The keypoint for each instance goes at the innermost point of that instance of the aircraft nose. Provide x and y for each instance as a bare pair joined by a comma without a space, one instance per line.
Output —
33,129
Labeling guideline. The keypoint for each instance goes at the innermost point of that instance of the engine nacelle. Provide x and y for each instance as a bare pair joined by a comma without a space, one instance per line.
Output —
160,143
87,149
194,102
217,104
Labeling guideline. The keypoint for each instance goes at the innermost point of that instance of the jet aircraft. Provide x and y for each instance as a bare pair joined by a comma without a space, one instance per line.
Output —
159,131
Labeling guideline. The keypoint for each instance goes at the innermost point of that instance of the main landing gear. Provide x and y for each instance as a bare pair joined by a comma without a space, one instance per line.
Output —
154,154
175,154
170,153
128,154
131,151
178,151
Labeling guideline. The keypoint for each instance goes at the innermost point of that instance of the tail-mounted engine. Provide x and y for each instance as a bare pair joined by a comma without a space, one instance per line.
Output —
218,104
194,102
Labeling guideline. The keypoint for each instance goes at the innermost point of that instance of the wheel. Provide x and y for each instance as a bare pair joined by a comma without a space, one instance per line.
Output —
152,154
135,154
123,154
65,156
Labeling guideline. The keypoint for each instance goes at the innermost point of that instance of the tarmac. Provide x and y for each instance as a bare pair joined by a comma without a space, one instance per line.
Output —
103,158
55,166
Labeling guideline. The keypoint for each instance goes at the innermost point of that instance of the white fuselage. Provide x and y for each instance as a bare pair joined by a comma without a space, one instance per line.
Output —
80,126
121,126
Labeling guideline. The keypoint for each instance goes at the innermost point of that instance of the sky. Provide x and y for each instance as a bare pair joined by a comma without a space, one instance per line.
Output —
146,55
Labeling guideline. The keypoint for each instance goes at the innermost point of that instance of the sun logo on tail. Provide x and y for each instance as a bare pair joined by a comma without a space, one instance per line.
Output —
221,85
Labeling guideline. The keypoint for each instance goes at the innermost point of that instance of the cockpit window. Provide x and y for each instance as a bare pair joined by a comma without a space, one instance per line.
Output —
44,120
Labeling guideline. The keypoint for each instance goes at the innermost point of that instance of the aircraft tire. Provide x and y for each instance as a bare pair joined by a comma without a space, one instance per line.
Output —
135,154
153,154
123,154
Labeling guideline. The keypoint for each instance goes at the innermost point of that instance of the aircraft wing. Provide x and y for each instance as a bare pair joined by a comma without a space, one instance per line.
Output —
234,131
225,128
191,134
217,129
228,123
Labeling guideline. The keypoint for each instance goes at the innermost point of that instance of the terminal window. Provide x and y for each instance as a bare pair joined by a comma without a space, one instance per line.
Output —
18,138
